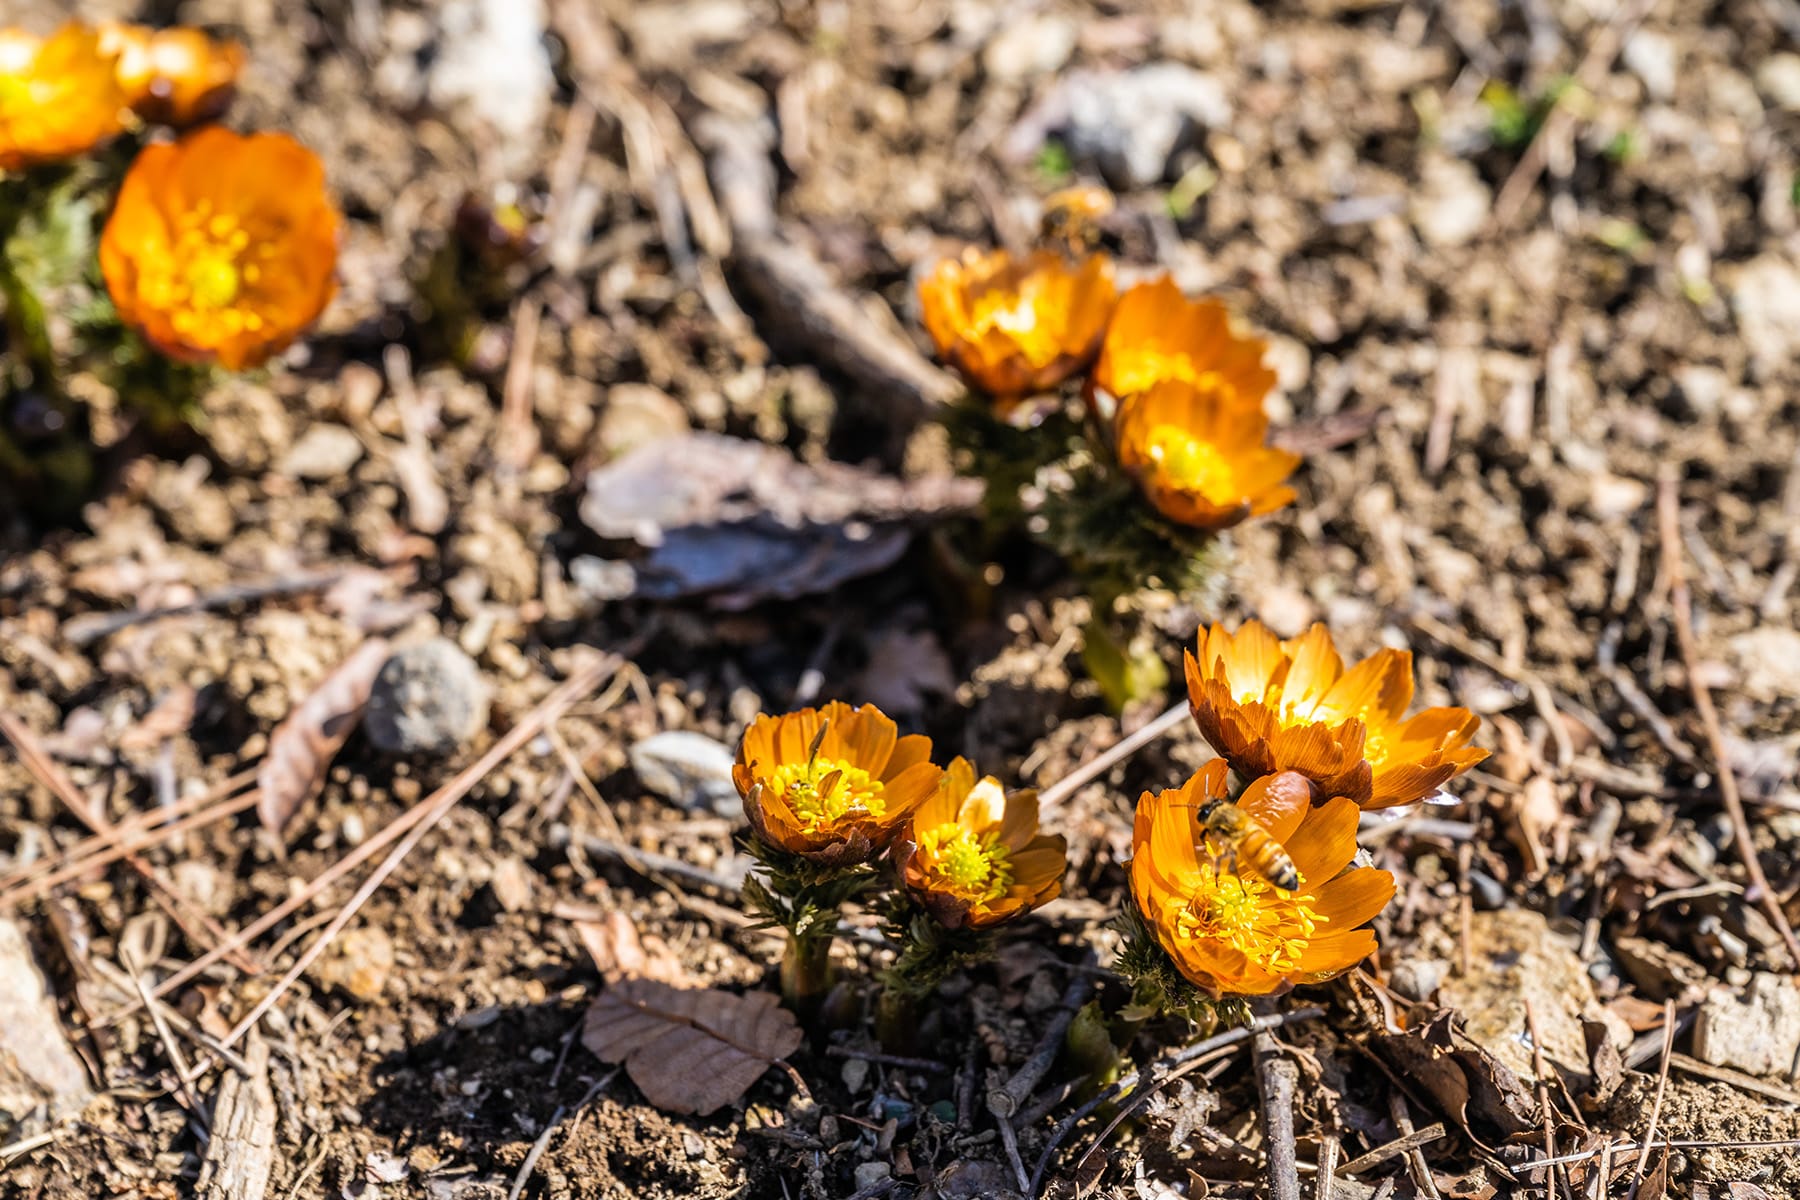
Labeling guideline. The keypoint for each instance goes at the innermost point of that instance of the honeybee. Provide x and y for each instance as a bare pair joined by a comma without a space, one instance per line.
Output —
1072,217
1244,840
1247,843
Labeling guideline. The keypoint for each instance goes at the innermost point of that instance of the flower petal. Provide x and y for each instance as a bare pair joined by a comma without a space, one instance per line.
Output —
1325,842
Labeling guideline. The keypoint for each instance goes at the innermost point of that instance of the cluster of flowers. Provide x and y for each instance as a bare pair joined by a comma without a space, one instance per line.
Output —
220,248
1223,908
1247,880
831,793
1176,396
1255,906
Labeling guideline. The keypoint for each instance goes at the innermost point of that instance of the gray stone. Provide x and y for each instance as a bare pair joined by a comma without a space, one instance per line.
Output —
1129,124
1452,204
1758,1033
1765,296
491,70
690,769
41,1080
323,452
429,699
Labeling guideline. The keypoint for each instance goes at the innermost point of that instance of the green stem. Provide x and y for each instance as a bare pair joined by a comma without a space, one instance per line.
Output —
1092,1049
806,972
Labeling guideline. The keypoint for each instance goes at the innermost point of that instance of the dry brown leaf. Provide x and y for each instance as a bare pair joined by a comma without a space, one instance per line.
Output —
689,1050
302,747
619,951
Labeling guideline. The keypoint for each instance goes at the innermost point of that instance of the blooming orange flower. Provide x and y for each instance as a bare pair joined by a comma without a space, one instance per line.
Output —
221,247
1232,933
1198,454
1267,705
173,76
832,784
58,96
972,854
1015,327
1157,333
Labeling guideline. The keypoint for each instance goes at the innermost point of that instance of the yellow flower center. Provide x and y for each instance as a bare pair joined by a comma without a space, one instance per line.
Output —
1268,927
201,282
16,94
825,791
1375,746
973,866
1193,464
1020,315
212,281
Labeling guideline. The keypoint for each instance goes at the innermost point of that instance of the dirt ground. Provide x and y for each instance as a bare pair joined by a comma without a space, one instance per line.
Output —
1491,374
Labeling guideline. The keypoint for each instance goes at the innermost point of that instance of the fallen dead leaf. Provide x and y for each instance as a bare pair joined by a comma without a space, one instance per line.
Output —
689,1050
1465,1083
302,746
620,952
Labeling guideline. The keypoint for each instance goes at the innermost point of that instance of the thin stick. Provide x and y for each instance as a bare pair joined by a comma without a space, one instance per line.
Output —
190,1099
902,1061
26,1145
1154,1070
1007,1099
1416,1166
1277,1079
578,685
124,847
83,630
1584,1155
1394,1149
148,818
45,770
1542,1087
1010,1139
543,1142
1329,1149
1668,512
1087,772
1662,1082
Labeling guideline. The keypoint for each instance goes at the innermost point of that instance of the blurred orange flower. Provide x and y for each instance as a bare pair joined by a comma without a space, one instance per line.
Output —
1017,326
58,96
1236,934
1269,705
173,76
1198,454
972,854
221,247
832,784
1157,333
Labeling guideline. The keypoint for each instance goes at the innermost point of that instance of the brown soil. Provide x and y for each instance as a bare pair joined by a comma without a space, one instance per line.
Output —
1641,310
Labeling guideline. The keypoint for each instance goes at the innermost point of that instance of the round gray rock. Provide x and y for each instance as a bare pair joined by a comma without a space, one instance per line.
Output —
428,699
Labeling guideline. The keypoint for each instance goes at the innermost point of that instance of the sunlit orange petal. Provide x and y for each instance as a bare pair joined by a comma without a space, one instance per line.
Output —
1278,802
1325,843
1353,897
59,97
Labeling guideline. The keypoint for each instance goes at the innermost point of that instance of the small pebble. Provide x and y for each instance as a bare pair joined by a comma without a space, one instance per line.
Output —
1416,979
1485,892
871,1173
690,769
429,699
855,1072
323,452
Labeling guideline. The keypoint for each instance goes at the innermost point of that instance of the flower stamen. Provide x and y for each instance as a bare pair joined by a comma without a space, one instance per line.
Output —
972,865
824,791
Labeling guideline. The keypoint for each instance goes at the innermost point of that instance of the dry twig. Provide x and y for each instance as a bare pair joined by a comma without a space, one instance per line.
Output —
578,685
1101,763
1668,512
1277,1080
1662,1083
181,910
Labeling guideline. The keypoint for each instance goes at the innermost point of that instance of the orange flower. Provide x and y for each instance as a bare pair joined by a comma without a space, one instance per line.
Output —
221,247
58,96
1157,333
1198,454
173,76
1015,327
1232,933
834,784
1267,705
972,854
